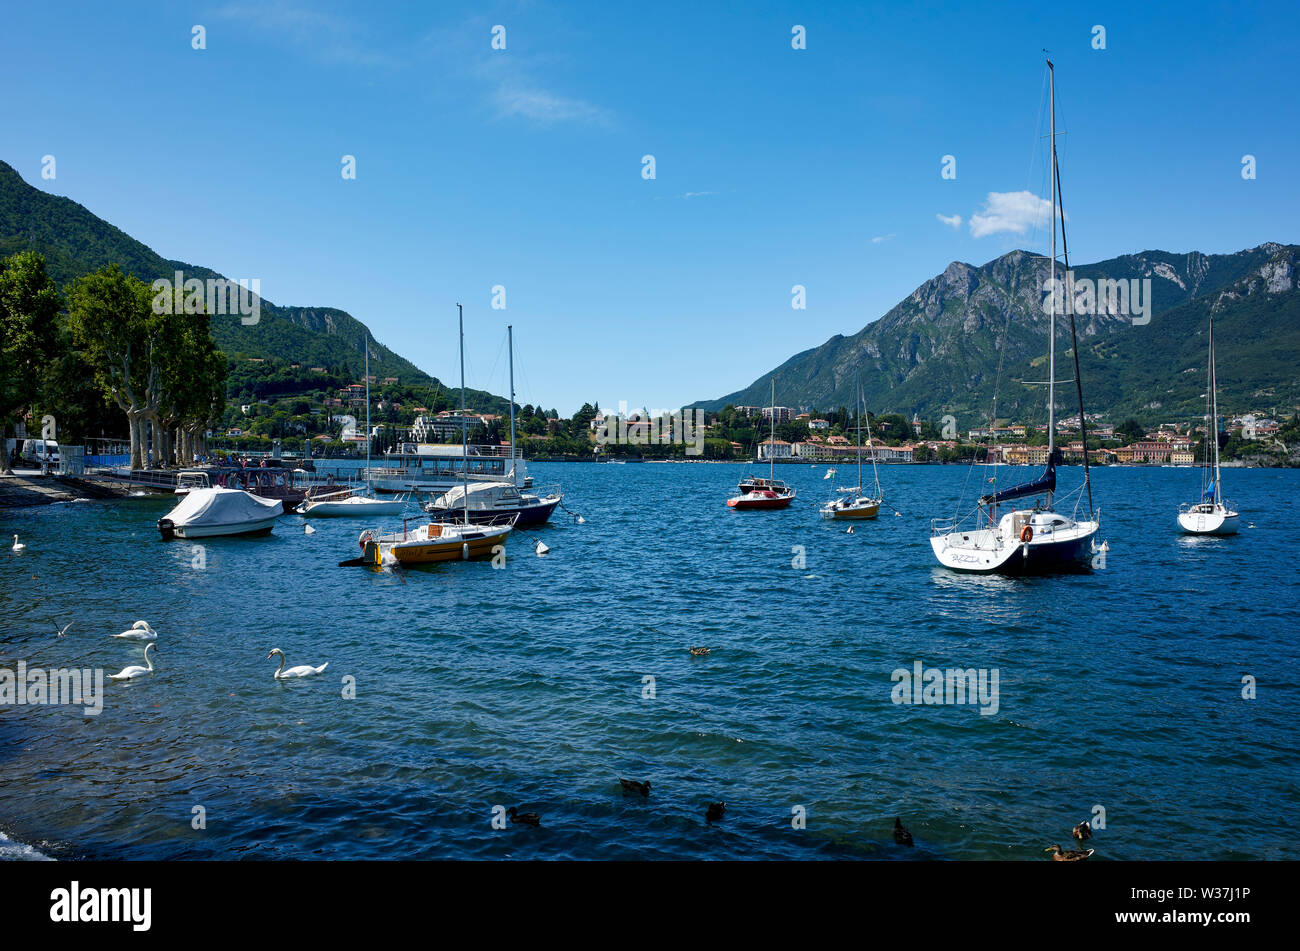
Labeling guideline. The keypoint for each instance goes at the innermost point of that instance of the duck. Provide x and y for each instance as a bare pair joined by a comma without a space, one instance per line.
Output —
632,785
526,818
1074,855
130,673
19,546
139,631
1082,831
699,651
303,670
715,811
902,835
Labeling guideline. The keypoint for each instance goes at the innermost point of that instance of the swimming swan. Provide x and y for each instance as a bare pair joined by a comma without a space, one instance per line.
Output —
140,631
305,670
19,546
129,673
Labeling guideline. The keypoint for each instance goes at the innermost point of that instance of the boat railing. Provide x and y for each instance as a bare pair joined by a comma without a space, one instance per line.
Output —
1190,508
547,490
456,517
944,526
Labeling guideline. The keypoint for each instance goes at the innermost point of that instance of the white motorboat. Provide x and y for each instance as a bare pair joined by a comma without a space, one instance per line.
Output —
206,513
1037,539
1211,515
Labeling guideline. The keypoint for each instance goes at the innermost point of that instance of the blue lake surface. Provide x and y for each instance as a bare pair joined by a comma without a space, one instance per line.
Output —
479,687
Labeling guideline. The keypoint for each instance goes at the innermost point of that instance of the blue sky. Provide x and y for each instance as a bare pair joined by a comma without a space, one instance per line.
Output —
523,167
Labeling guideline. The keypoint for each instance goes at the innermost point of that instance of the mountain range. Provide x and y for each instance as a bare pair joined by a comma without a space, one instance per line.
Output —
74,241
973,332
959,339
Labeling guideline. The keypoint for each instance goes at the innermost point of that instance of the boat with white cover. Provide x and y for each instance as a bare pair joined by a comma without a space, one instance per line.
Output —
206,513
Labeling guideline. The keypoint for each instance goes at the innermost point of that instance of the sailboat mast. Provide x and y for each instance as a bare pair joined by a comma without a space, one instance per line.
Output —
1214,411
1051,347
365,343
464,430
771,446
510,330
860,440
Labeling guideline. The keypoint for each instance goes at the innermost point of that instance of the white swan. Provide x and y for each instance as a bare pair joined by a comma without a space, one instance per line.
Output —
129,673
304,670
309,530
19,546
140,631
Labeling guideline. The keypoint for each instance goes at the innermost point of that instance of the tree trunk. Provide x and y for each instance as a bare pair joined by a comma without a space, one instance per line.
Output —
135,427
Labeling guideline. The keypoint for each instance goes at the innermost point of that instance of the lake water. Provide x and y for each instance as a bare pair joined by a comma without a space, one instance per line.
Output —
479,687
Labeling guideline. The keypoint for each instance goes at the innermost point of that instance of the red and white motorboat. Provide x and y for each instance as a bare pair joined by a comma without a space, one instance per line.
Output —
777,496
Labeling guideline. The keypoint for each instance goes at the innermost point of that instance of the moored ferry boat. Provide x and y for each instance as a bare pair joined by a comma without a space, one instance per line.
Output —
437,467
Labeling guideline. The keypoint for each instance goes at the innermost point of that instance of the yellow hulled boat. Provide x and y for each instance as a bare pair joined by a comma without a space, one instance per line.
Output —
426,544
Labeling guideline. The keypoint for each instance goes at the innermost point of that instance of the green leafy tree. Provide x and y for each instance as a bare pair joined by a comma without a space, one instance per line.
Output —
29,304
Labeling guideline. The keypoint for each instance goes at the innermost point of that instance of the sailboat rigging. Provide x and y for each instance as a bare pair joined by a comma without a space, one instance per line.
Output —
491,501
1211,514
769,493
441,541
854,502
1033,539
351,501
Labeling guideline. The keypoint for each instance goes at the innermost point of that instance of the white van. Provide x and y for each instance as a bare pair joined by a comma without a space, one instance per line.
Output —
35,450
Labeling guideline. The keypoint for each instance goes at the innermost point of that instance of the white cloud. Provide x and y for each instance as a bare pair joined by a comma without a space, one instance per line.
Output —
326,37
697,194
522,98
881,239
953,221
1015,212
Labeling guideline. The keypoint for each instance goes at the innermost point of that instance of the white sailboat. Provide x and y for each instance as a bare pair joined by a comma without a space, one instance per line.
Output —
441,541
1211,515
354,502
486,501
854,503
1037,539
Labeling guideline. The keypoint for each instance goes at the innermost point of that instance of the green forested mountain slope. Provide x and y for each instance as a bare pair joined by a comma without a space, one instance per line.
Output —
74,241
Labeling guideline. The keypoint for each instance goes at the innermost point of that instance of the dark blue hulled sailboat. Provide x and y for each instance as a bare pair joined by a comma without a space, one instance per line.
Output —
1036,539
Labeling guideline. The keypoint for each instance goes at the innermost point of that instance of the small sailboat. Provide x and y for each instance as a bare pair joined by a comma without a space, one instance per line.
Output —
441,541
486,502
354,501
1037,539
1211,515
769,493
855,502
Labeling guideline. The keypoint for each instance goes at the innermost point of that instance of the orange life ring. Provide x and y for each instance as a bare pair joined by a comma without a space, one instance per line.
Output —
1027,534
